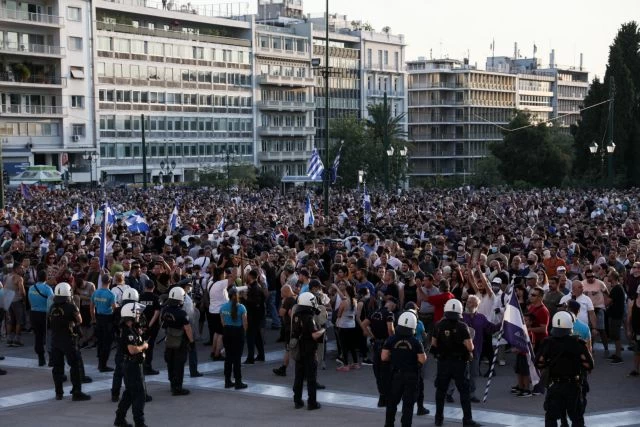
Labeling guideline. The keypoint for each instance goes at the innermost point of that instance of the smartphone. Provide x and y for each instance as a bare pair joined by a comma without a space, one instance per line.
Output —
475,255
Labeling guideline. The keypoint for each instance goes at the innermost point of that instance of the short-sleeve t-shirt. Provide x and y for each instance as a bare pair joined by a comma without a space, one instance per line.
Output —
103,299
378,323
38,296
582,330
225,314
542,319
151,303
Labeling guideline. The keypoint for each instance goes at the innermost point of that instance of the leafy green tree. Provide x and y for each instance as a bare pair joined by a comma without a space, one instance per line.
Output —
534,154
268,179
623,72
487,172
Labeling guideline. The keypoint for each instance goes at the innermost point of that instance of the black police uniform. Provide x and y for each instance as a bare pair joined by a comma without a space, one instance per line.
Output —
306,365
563,358
378,325
403,384
453,364
118,369
151,303
64,343
134,386
174,318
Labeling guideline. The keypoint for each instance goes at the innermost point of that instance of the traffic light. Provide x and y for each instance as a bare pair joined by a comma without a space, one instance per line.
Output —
5,177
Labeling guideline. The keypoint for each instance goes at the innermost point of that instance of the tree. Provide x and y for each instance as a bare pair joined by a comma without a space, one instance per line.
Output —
535,154
623,72
487,173
386,30
268,179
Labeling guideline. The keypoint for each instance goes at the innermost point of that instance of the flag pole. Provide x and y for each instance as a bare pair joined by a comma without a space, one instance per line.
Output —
493,366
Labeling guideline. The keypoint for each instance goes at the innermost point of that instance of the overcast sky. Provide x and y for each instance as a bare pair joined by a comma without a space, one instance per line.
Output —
453,27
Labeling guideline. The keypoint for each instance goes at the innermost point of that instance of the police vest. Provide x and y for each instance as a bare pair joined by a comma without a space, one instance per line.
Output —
562,356
59,321
404,353
451,335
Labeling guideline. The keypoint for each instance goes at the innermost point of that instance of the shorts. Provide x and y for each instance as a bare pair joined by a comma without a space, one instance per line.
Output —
599,319
215,323
614,329
16,314
522,365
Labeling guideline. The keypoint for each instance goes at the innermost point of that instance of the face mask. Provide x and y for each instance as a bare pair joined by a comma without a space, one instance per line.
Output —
494,249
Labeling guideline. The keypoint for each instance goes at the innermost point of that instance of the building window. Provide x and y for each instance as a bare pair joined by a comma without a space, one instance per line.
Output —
77,73
74,43
77,101
73,14
369,57
77,130
396,60
386,57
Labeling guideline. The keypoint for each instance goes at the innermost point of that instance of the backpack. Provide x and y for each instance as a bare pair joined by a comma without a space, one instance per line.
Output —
206,297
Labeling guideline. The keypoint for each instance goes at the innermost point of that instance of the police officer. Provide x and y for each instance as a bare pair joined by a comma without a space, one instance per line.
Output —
64,316
103,304
129,295
308,334
452,345
378,327
131,346
405,355
179,339
567,359
151,317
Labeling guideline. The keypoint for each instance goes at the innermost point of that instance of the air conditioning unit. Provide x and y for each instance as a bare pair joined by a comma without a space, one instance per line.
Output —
75,138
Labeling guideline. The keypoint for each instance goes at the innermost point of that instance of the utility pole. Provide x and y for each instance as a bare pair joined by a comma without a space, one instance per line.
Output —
144,155
385,143
2,174
326,174
612,96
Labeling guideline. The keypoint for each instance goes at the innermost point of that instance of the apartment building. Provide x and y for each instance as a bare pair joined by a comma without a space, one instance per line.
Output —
46,115
284,98
188,73
453,113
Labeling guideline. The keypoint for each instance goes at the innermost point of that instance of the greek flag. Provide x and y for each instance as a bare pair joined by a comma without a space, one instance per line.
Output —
92,216
77,216
515,333
316,167
308,213
221,225
336,164
366,205
174,220
26,193
137,223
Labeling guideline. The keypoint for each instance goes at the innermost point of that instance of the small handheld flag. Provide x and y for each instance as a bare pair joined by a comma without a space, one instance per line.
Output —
308,213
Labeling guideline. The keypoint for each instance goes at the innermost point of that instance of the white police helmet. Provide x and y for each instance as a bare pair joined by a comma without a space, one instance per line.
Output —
562,320
408,319
177,294
63,289
307,299
130,294
453,309
130,310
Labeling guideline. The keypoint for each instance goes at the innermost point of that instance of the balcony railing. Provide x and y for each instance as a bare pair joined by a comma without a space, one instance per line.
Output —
42,49
384,67
284,155
36,18
186,160
286,130
36,110
178,134
39,79
285,80
239,11
286,105
437,85
390,93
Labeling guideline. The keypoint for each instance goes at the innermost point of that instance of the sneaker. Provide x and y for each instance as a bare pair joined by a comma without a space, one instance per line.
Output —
106,369
615,360
80,397
382,402
320,386
197,375
229,384
524,393
87,380
10,343
422,411
354,366
633,373
343,369
502,363
474,400
611,357
339,362
367,362
536,392
515,389
249,362
298,405
151,371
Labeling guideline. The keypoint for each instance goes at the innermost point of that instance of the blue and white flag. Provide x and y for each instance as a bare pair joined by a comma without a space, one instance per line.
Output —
315,167
77,216
174,220
515,333
103,236
221,225
136,223
336,164
92,216
26,193
366,205
308,213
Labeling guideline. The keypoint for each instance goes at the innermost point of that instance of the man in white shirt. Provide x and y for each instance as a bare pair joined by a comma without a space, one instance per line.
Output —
587,313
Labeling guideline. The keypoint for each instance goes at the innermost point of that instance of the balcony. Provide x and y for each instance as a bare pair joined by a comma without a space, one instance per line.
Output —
38,80
175,134
283,156
286,105
181,161
437,85
32,110
236,11
383,67
286,131
268,79
380,93
32,49
438,103
279,52
21,16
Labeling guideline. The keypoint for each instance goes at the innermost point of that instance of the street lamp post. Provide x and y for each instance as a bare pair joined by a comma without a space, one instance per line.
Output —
606,151
91,157
166,168
3,141
227,151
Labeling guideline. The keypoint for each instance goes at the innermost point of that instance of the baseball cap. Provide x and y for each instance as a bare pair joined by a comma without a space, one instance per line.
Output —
531,275
496,280
561,268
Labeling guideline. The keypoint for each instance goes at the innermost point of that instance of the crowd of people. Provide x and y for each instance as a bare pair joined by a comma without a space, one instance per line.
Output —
242,260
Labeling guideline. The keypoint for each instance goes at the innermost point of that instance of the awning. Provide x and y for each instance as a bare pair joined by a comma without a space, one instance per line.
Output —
77,73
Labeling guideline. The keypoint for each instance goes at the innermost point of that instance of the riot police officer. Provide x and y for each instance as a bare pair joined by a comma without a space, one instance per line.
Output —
567,360
131,346
305,334
129,295
406,355
179,339
453,346
378,327
64,316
